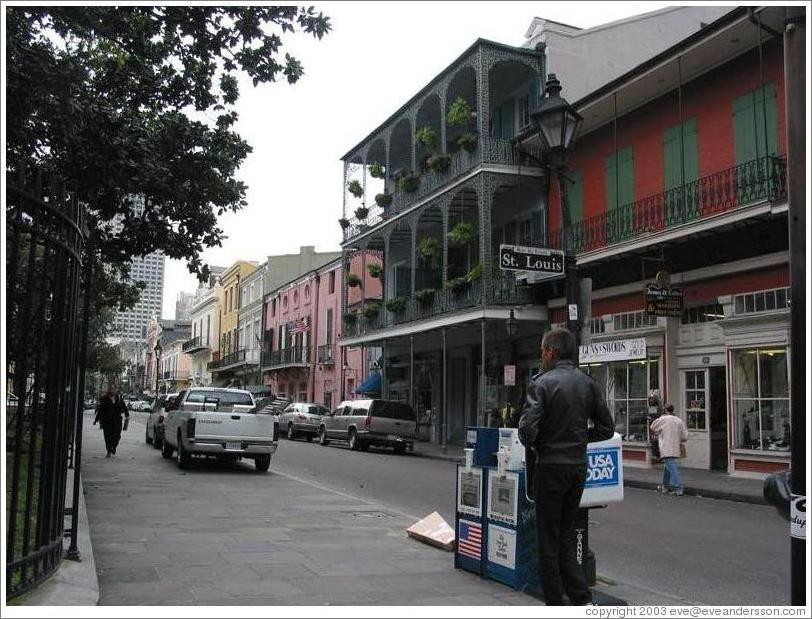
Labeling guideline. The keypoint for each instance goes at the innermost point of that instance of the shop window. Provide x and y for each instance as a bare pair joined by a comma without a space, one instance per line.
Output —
695,410
702,313
633,320
332,284
761,399
762,301
597,325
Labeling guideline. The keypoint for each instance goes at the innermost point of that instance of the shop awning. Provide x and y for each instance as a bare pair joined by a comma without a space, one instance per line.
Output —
371,386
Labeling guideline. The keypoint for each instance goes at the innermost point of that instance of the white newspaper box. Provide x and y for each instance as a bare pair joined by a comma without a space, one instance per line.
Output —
604,473
509,441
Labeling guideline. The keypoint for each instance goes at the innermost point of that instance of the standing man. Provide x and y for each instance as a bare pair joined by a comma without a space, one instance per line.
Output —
108,415
671,436
554,428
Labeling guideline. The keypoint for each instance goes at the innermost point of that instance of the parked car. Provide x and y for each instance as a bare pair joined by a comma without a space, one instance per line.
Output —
222,423
302,418
155,423
362,423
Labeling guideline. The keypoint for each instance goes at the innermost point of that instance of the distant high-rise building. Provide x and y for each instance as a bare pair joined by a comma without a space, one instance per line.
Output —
183,305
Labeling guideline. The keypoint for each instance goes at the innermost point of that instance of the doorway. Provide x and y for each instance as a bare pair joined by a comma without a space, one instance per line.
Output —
718,417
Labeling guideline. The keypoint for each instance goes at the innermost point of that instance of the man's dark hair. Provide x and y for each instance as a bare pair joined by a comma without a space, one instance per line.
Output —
561,342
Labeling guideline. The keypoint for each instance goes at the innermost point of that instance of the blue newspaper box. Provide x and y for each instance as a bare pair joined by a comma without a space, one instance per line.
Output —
485,443
510,532
471,492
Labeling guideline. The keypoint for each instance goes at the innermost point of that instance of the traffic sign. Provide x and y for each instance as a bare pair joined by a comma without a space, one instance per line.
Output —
532,259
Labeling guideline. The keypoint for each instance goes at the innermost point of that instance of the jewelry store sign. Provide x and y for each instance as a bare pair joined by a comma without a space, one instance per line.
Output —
613,350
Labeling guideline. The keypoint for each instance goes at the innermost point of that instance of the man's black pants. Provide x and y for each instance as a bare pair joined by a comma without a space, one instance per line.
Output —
558,490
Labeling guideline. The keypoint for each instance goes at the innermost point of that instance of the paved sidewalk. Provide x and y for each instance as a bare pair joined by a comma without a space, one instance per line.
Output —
225,534
709,484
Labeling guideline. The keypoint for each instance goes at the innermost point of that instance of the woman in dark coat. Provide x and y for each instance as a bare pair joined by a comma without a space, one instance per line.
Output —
108,415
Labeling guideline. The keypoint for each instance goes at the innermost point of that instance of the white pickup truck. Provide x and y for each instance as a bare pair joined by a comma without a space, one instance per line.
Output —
221,423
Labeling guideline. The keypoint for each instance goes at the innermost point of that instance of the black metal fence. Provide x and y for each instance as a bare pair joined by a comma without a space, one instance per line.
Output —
44,244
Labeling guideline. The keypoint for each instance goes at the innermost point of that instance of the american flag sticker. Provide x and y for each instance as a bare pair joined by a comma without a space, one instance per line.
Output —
469,541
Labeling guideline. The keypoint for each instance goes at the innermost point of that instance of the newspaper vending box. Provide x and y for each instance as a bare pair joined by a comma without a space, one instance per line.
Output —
469,518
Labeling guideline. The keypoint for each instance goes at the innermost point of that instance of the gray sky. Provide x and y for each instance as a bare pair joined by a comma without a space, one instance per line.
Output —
377,56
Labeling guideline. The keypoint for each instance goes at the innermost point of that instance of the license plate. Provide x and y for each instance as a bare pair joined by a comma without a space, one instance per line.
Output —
237,446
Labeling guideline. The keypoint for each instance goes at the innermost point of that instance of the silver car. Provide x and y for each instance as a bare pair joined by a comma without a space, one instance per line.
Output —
157,415
302,419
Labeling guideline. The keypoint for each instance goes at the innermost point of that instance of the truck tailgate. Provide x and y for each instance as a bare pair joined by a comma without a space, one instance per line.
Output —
400,428
233,426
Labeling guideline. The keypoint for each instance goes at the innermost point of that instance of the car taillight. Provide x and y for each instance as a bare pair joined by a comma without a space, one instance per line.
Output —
367,422
190,428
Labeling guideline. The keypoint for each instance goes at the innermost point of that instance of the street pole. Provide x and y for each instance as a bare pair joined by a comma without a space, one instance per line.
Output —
795,80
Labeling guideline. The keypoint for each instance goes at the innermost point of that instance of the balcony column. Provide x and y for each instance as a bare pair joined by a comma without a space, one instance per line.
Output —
387,180
384,390
483,104
445,208
485,195
412,120
413,256
411,371
442,94
344,192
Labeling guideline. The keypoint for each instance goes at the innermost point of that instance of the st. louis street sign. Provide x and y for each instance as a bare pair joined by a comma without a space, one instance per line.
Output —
533,259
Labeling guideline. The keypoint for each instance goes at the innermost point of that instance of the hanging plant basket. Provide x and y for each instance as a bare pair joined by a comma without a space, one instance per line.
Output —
460,113
361,212
426,136
383,200
458,285
428,248
409,183
468,141
424,296
370,310
461,234
350,318
355,188
344,223
376,170
439,163
375,270
353,281
396,305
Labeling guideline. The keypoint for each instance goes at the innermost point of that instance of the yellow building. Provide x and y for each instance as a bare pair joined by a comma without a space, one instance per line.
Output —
230,308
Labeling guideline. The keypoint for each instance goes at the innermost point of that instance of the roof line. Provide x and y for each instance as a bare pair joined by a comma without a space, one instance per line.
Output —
427,87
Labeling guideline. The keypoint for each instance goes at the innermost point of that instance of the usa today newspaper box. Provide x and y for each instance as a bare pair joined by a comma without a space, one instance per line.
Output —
510,517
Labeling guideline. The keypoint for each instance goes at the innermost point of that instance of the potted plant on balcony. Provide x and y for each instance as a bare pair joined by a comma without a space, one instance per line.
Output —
468,141
376,170
353,281
475,274
409,182
375,270
350,318
439,163
370,310
396,304
460,113
461,234
344,223
424,296
383,199
426,136
428,248
361,212
458,285
355,188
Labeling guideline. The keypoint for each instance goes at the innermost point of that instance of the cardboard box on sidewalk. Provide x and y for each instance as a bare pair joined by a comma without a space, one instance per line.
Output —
434,530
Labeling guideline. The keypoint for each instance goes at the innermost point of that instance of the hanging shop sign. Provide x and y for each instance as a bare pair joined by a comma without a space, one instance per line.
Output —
532,259
614,350
663,301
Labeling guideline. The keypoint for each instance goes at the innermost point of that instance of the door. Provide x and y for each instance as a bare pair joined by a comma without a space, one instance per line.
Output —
718,418
457,394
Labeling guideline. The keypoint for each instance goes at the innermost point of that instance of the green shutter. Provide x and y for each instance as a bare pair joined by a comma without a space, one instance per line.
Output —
748,124
619,170
679,209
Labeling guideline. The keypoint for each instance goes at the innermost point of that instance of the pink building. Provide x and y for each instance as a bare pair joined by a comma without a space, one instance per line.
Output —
300,357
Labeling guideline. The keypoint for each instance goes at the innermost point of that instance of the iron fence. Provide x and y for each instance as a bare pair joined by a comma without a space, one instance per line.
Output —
45,238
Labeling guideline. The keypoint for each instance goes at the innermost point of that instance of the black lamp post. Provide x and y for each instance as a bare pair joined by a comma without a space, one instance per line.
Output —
557,123
158,350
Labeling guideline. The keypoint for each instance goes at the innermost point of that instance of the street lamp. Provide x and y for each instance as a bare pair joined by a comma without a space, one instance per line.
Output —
158,350
557,123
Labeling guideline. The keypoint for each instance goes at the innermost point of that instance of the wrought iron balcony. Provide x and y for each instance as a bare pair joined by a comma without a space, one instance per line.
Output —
176,375
326,354
502,290
235,359
287,357
194,345
755,181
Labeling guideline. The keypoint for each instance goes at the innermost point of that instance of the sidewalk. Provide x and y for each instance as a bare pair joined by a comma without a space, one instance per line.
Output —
700,483
225,534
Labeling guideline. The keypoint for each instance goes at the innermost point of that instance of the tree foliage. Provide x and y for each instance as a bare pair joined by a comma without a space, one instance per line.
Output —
140,101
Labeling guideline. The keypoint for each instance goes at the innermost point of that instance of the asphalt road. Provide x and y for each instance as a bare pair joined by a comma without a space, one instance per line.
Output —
676,549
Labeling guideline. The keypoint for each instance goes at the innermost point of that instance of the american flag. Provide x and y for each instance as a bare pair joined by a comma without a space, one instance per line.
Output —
300,326
470,539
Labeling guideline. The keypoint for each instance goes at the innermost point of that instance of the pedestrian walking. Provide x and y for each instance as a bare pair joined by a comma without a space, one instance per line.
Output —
671,437
655,409
554,430
108,416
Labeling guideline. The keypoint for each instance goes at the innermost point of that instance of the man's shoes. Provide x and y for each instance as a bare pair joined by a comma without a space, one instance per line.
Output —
678,492
662,489
109,454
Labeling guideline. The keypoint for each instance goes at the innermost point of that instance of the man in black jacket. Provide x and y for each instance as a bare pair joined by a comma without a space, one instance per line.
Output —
108,415
554,427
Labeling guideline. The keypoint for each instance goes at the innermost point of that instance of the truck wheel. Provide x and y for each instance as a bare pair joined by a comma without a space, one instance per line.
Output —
323,437
291,432
353,440
166,450
309,438
184,457
400,449
147,439
262,463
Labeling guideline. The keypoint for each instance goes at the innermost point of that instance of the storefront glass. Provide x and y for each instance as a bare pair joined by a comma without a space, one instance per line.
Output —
761,399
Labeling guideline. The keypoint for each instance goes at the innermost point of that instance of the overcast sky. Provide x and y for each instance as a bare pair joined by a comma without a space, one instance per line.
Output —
377,56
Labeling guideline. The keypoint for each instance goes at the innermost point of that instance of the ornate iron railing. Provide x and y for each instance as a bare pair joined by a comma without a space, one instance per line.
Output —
724,191
326,354
195,344
298,355
234,358
502,290
44,262
500,152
